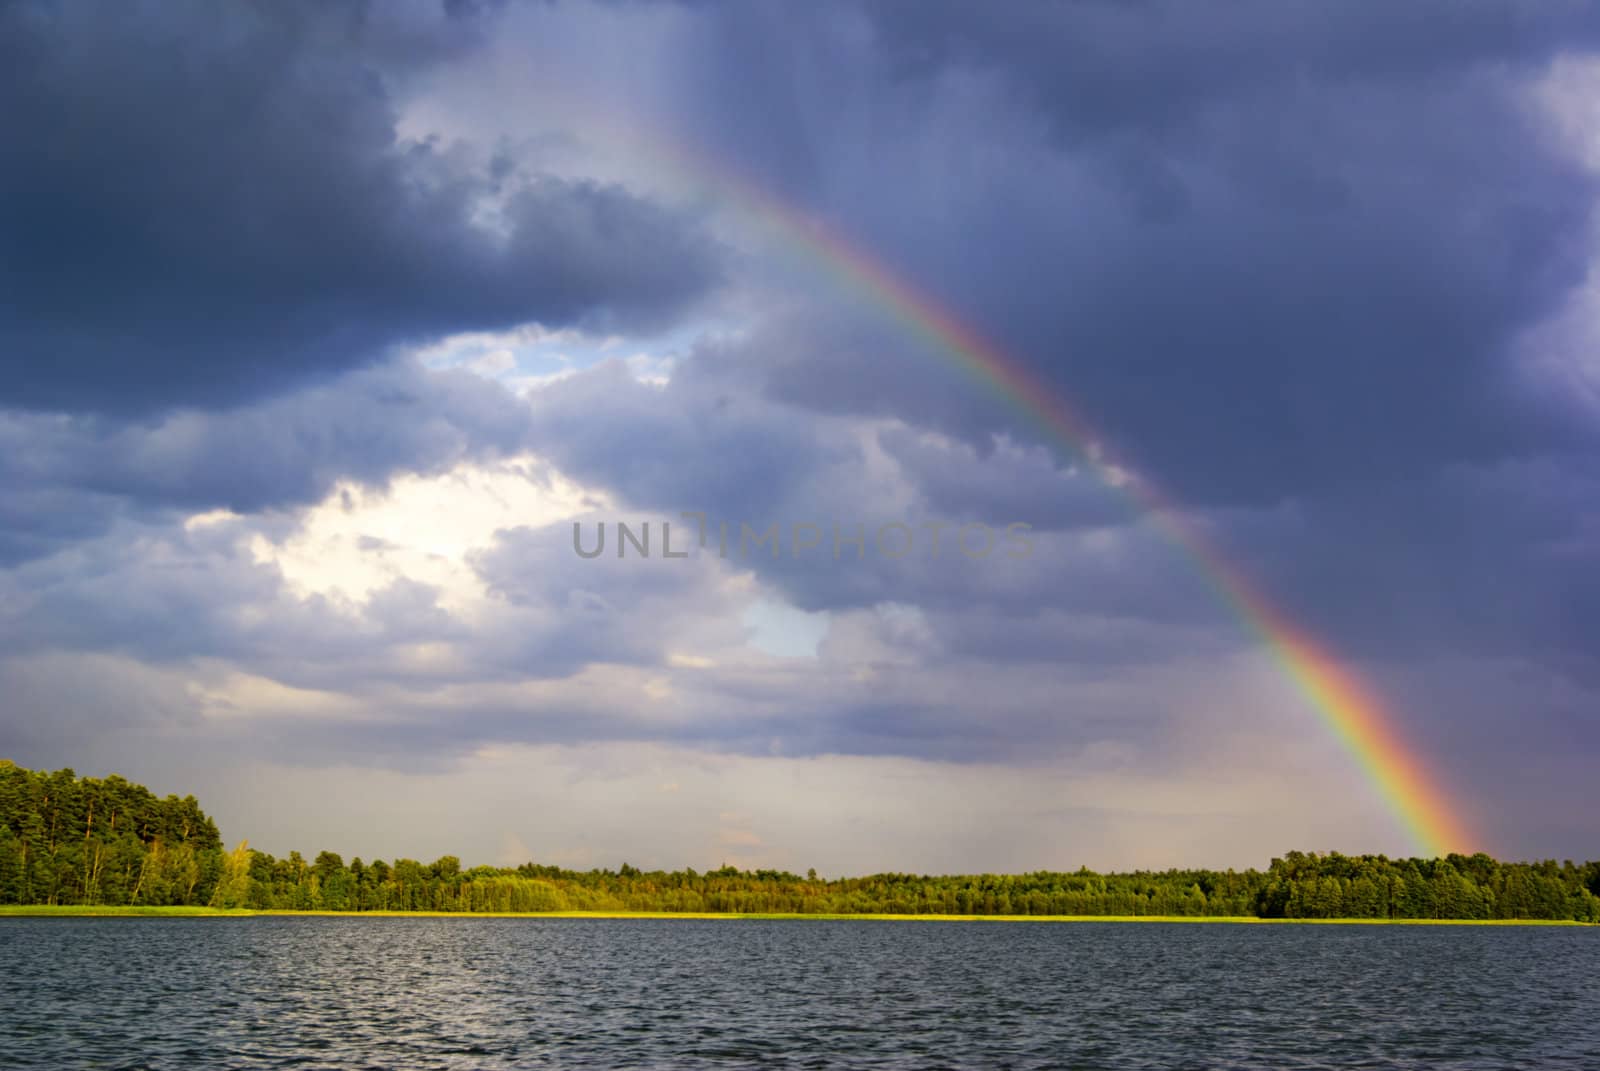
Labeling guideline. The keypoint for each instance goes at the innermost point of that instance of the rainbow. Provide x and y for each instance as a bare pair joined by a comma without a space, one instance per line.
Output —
1348,708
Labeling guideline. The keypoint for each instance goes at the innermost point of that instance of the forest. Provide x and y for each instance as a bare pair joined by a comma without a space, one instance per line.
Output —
69,840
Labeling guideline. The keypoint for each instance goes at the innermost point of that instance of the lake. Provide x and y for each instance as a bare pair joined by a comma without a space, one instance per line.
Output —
420,993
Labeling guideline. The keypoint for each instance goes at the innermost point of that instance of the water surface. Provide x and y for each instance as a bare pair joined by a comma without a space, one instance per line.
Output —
423,993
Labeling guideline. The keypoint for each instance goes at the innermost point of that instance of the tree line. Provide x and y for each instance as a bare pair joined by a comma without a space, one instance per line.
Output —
84,841
66,839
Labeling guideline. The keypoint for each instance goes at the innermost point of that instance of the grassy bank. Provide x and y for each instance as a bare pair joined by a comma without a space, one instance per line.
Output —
50,911
92,911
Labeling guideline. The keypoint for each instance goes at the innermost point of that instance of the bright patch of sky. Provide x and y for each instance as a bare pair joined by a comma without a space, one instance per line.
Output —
420,528
780,629
526,358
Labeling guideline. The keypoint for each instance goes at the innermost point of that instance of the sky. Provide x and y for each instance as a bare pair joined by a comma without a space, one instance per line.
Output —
325,326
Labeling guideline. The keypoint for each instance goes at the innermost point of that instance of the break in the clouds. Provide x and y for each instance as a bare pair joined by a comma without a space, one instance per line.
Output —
322,325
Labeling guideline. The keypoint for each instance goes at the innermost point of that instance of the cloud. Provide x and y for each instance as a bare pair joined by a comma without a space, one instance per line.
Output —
203,205
72,477
1263,255
1004,483
1102,67
693,444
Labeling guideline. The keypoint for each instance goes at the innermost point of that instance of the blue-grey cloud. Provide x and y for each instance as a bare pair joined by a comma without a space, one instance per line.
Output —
204,204
70,477
1266,251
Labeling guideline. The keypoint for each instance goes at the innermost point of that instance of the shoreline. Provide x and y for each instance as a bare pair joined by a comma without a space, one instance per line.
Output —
80,911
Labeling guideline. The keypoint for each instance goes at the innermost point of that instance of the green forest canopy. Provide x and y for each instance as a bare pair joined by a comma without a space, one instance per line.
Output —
72,840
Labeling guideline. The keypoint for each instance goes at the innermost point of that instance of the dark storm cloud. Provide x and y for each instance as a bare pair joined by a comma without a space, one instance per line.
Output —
1102,65
201,204
1267,249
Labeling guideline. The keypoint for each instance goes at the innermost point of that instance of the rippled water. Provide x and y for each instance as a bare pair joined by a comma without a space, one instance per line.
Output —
502,993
